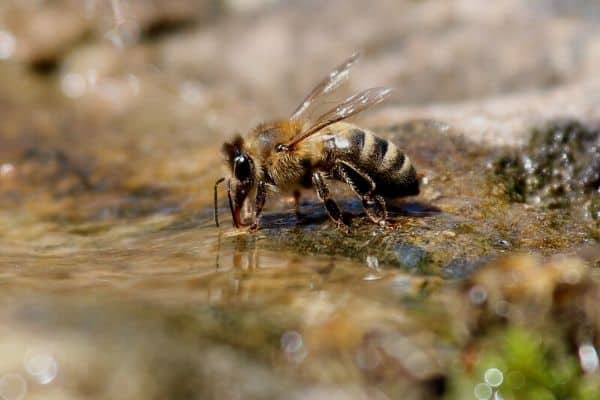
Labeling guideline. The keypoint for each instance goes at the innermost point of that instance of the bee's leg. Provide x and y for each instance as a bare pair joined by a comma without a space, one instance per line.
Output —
216,199
363,186
332,208
261,197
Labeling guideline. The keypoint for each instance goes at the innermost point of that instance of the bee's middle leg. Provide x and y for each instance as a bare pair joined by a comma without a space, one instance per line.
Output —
332,208
261,198
364,186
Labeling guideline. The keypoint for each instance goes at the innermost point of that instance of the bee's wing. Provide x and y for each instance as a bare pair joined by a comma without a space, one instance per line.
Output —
351,106
331,82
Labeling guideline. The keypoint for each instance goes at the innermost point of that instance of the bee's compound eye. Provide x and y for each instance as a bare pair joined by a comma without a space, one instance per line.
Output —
242,167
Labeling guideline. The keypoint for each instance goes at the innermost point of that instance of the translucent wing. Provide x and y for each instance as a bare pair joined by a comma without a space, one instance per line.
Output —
351,106
327,85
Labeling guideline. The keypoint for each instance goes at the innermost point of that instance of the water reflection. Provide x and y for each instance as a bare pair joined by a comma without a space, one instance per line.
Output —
197,263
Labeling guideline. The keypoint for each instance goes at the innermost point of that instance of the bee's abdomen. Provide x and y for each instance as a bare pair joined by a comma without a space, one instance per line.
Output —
390,168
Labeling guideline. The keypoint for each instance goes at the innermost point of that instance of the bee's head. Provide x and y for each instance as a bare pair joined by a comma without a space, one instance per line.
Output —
243,181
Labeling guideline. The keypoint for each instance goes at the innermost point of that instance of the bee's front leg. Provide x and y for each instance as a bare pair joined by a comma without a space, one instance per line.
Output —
261,197
332,208
364,186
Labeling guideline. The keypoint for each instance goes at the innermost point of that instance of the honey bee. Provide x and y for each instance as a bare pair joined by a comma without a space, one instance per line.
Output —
294,153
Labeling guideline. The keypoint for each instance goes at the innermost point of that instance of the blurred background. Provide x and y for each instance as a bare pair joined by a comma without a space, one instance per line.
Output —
136,76
114,283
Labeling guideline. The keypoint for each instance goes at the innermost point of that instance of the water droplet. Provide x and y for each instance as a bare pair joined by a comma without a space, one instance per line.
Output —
503,243
293,346
588,358
73,85
372,262
12,387
41,366
291,342
493,377
483,391
8,44
477,295
528,164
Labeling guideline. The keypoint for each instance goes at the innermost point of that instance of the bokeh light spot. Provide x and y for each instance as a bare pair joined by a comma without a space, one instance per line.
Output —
12,387
588,358
8,45
41,366
477,295
73,85
6,169
483,391
493,377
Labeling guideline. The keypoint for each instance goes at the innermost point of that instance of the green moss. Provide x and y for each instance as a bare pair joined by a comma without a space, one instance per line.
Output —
534,366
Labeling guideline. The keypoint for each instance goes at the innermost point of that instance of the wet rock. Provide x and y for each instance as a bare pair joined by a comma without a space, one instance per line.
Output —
45,32
410,257
414,47
461,268
559,168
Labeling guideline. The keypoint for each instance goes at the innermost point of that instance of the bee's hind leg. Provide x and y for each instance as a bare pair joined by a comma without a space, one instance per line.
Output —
332,208
364,186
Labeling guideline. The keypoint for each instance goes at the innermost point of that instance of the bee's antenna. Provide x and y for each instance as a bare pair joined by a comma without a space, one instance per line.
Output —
217,183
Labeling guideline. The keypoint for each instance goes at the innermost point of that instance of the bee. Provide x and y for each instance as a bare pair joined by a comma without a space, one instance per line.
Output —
294,153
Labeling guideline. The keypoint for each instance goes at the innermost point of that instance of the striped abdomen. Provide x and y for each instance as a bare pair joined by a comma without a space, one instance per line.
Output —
380,159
